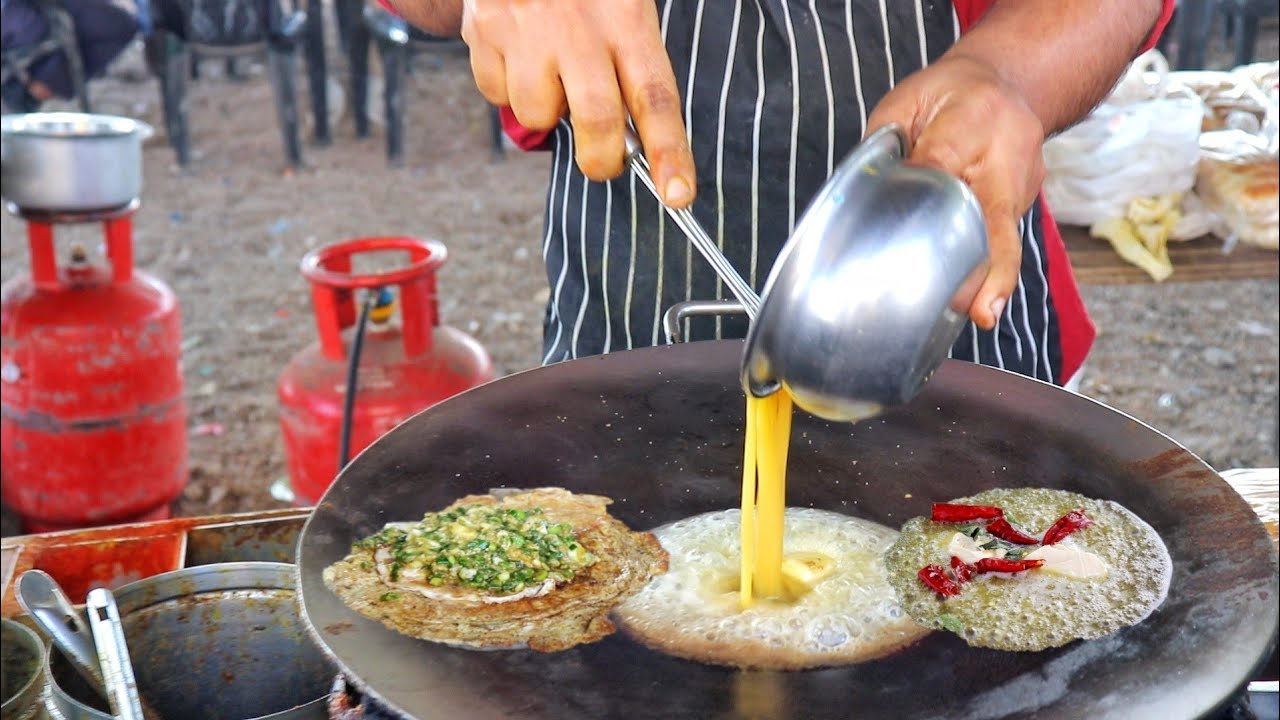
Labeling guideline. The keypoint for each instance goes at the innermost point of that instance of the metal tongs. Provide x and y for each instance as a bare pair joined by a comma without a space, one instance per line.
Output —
96,650
113,655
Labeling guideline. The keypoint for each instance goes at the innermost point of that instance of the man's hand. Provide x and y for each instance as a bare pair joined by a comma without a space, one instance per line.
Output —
1028,69
597,61
962,118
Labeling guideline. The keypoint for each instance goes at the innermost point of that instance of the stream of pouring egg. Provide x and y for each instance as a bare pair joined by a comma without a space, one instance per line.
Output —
764,489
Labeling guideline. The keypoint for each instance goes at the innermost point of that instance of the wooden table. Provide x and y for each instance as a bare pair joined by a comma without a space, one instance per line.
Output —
1096,263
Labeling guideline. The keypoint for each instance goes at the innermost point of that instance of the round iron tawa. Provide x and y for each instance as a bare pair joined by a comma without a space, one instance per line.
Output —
660,431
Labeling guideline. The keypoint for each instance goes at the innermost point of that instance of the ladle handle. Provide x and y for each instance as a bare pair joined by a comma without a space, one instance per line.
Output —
675,315
693,230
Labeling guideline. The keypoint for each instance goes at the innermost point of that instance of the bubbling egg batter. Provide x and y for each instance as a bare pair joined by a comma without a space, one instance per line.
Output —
836,606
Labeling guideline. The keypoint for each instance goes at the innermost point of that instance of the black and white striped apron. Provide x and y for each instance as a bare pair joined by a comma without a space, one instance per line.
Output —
776,92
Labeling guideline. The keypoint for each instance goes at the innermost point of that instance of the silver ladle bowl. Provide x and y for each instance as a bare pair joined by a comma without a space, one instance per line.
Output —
870,291
873,287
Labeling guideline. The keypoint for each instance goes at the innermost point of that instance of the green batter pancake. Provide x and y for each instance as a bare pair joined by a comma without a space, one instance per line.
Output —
1036,610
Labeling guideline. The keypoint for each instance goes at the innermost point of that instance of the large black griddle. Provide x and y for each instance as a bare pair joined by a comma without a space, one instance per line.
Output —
660,431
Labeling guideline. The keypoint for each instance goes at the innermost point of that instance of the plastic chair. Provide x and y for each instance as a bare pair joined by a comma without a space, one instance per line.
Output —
396,40
62,38
1242,23
228,29
1193,26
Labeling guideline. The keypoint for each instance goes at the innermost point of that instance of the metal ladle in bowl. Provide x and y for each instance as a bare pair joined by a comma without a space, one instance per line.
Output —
871,289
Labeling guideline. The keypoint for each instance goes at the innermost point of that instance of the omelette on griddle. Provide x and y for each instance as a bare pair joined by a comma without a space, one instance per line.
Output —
516,568
836,608
1029,568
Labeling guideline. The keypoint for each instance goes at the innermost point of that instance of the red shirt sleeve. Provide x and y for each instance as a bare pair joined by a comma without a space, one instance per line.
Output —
1162,24
969,12
523,137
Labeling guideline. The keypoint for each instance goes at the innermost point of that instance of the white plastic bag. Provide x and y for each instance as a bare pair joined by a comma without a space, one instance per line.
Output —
1197,220
1141,142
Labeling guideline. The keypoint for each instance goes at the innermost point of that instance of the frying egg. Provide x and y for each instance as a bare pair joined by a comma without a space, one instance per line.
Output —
838,607
1098,580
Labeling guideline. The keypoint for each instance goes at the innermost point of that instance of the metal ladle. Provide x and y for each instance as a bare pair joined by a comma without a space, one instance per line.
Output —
871,290
684,218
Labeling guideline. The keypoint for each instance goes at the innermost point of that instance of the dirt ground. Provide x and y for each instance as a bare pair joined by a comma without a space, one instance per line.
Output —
1195,360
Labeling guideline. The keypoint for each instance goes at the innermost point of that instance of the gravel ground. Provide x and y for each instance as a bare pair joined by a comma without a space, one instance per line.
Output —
1196,360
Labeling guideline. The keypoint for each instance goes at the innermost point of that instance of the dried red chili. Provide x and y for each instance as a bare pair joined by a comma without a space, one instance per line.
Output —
1002,529
962,570
1065,525
986,565
936,579
951,513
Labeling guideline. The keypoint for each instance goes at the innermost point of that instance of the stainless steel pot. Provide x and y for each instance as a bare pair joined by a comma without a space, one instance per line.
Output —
22,672
215,641
71,162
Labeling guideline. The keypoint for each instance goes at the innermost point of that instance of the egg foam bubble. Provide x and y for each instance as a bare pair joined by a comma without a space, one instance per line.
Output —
1035,610
693,611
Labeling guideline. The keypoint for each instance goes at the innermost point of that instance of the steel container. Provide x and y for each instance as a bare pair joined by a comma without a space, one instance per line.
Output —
218,641
22,677
872,288
71,162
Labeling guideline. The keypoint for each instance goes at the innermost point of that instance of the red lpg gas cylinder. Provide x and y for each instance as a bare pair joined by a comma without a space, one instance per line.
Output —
407,364
94,421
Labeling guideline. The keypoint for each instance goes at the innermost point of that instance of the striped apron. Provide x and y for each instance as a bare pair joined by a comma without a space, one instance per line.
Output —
775,93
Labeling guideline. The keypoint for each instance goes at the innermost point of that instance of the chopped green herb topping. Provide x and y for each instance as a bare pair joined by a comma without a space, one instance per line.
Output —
498,550
1012,551
951,622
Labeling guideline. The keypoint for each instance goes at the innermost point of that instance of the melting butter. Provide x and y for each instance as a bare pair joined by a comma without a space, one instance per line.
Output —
964,547
1069,562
